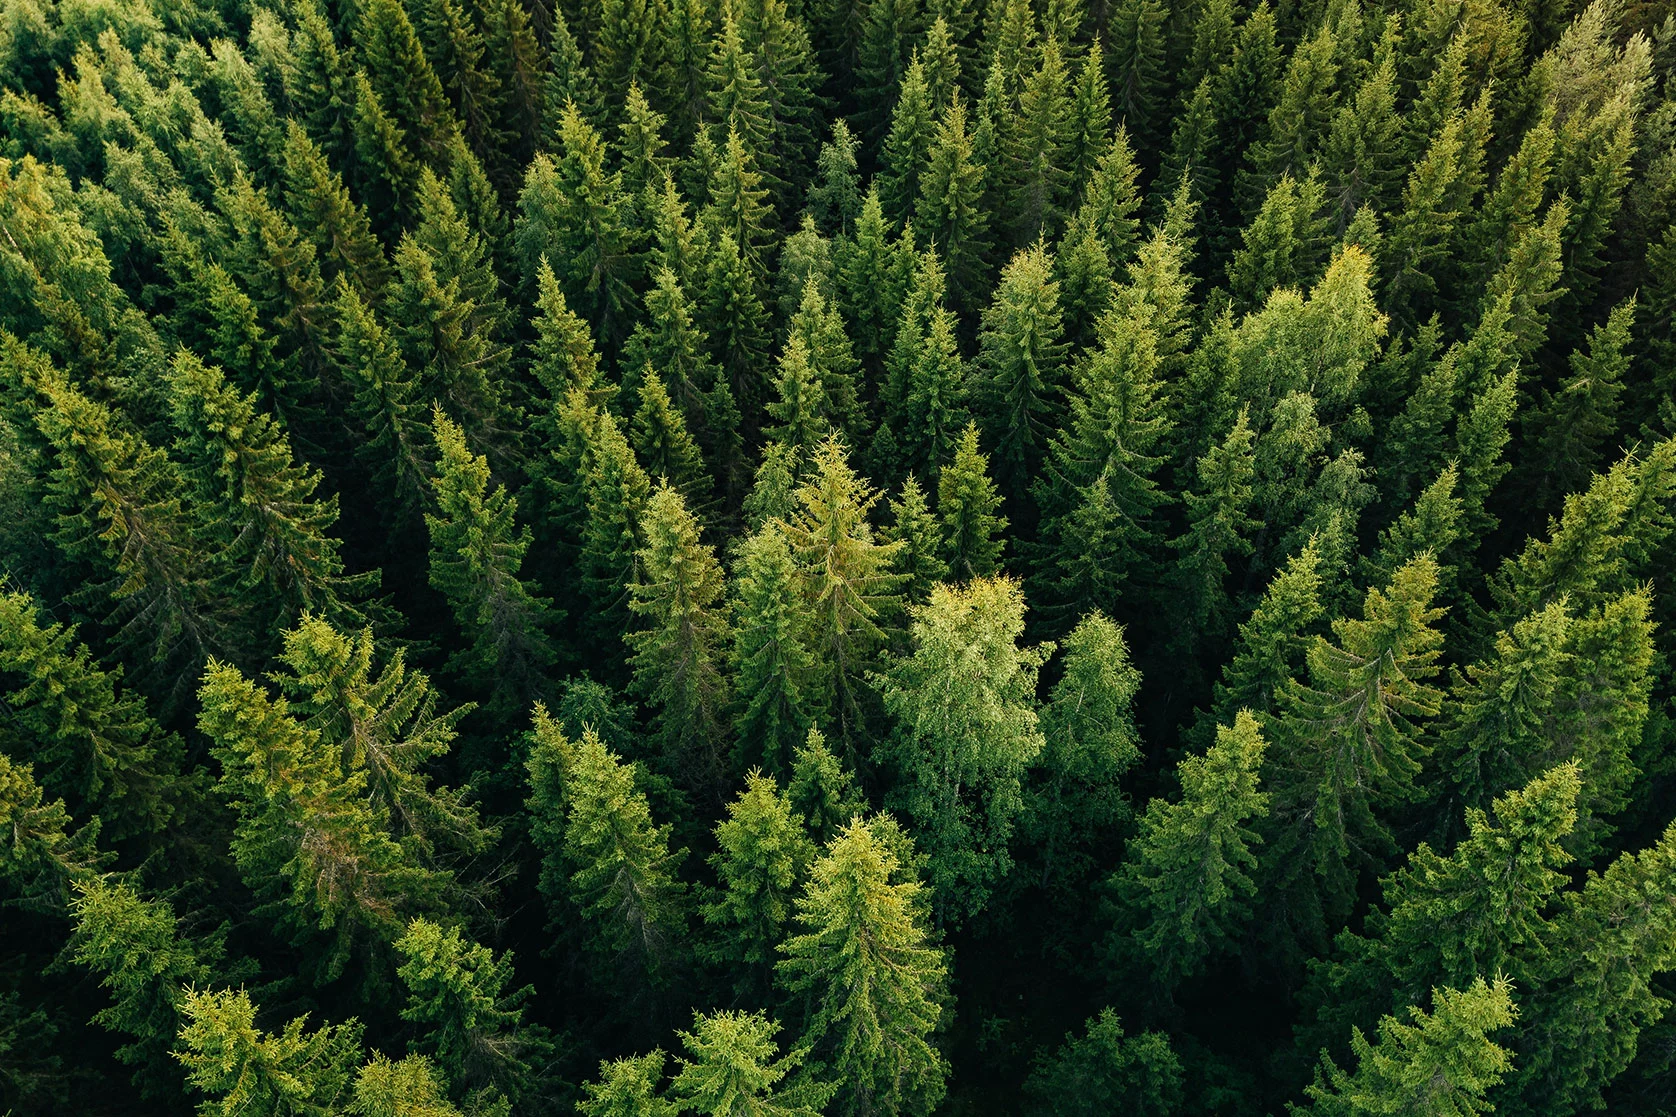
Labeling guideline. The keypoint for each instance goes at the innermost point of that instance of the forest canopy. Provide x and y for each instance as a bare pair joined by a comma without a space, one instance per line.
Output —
837,558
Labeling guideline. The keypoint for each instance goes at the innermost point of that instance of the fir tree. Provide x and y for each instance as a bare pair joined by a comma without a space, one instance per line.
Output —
966,731
950,212
410,1088
44,856
734,1066
835,194
1185,885
871,980
912,131
89,740
1036,147
934,407
677,655
615,491
921,535
662,444
818,324
847,581
802,401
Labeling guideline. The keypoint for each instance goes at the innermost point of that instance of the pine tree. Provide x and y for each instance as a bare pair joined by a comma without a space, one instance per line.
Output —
762,858
906,148
1020,356
739,203
89,740
385,725
403,79
677,655
846,580
1347,746
802,401
967,503
562,356
966,730
477,552
621,872
410,1088
136,948
771,662
739,322
1284,244
320,204
615,491
1185,885
574,213
1443,1063
311,847
1274,641
1104,1070
820,327
950,213
641,144
268,523
835,195
1074,803
668,340
872,981
735,1067
1432,525
457,995
1138,36
263,1074
44,856
629,44
569,80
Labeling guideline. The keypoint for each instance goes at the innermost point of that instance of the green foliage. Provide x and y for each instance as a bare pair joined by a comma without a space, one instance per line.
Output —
733,1066
762,857
873,983
246,1070
966,730
1104,1069
771,660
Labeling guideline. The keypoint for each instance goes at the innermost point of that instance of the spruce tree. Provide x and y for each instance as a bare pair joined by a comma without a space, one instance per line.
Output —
245,1070
761,860
45,856
1571,426
1219,527
950,212
848,582
1036,146
1105,1069
662,444
477,553
1020,357
771,661
1444,1062
614,491
410,1088
870,978
934,406
267,521
320,204
89,739
677,654
457,995
965,732
734,1066
921,536
620,871
967,504
1185,885
831,356
798,412
317,854
1074,801
912,132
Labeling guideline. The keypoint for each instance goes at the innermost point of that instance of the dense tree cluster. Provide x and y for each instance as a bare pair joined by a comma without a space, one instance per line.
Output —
837,558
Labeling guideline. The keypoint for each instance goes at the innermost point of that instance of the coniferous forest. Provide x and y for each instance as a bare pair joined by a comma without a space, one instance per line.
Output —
837,558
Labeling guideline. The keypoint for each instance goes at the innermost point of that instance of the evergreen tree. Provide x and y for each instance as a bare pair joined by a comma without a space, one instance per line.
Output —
677,655
320,204
1443,1063
921,535
967,503
950,213
1105,1069
798,410
248,1071
871,980
1036,147
1274,640
316,853
1185,884
615,491
761,859
847,581
1074,803
739,322
934,407
385,725
820,327
771,662
835,195
628,1088
457,993
409,1088
906,148
406,85
662,444
735,1067
89,740
268,523
136,948
1571,426
477,552
620,870
43,857
1218,527
966,730
1019,360
821,790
